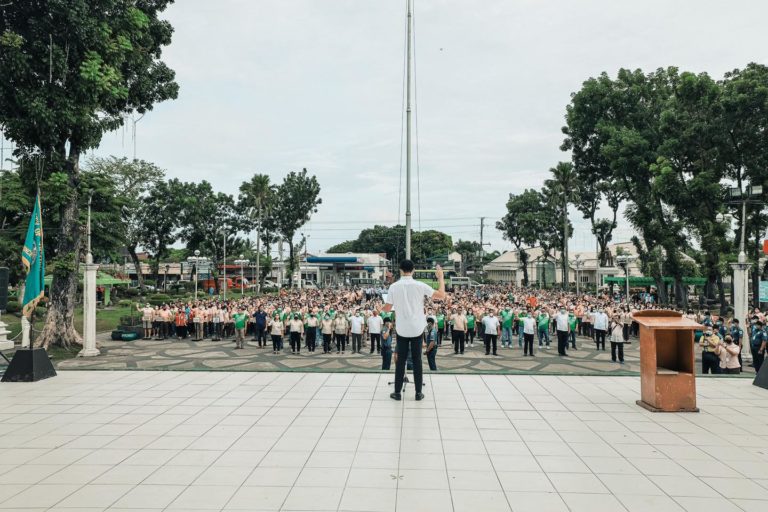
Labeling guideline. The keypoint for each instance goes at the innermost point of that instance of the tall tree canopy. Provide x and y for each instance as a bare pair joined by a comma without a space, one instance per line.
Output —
72,69
520,225
298,197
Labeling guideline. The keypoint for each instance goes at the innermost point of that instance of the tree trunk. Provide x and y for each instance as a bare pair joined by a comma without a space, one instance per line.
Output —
290,262
721,295
136,266
59,328
524,262
565,246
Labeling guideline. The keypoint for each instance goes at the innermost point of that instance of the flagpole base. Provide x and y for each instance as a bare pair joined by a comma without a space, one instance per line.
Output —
29,366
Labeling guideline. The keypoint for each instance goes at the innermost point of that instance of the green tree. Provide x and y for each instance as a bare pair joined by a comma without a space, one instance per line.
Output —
520,225
206,218
255,200
298,197
347,246
132,179
563,187
745,108
613,126
688,178
157,223
72,69
470,253
15,211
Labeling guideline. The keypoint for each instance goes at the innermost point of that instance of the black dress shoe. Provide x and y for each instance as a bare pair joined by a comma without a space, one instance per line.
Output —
419,396
395,396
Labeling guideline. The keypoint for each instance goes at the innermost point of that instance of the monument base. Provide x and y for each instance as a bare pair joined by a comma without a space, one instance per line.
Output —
29,365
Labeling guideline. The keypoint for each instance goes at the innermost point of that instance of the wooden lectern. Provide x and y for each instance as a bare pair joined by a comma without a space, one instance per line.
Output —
667,364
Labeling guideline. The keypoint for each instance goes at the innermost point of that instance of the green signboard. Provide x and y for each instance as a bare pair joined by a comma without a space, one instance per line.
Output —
763,291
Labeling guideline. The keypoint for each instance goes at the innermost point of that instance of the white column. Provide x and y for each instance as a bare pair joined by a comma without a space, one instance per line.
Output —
5,343
740,303
26,329
89,310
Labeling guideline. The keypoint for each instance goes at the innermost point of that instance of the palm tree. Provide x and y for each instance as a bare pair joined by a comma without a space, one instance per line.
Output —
255,196
563,186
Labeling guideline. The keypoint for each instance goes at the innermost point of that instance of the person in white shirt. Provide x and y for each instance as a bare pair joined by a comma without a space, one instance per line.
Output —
600,324
406,297
375,323
356,329
492,329
562,326
529,329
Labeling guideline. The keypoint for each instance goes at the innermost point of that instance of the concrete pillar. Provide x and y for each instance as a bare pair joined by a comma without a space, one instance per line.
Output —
26,329
5,343
89,310
741,303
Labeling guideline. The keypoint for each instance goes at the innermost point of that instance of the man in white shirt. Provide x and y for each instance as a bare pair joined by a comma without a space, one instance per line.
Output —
600,324
562,325
492,329
374,328
529,329
356,329
406,297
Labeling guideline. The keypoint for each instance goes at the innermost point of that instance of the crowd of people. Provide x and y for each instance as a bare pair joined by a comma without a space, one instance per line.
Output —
496,317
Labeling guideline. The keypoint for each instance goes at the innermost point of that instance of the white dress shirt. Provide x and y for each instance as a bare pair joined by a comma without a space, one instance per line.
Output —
374,324
356,325
407,299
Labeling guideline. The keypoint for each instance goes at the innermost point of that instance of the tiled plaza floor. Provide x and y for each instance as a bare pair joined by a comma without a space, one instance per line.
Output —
91,441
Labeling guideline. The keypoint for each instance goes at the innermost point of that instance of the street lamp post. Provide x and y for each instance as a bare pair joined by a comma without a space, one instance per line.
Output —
623,262
195,260
165,281
577,263
242,262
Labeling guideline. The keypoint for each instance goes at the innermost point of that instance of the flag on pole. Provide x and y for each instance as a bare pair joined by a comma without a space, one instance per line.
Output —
33,259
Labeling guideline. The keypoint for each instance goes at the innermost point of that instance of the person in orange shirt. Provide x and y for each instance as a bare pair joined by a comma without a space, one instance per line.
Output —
181,324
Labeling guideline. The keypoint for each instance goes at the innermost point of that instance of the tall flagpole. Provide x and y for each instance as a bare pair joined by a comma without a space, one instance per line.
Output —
408,143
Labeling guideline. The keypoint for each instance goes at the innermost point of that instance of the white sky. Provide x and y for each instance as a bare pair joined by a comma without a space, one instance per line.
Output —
272,87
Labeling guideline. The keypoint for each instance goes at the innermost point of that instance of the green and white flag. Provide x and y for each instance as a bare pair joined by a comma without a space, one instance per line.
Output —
33,259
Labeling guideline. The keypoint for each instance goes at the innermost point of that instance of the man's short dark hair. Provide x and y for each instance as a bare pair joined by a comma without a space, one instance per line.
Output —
406,266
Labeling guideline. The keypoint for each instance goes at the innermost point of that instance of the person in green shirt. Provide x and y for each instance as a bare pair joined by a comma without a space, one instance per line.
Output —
240,318
542,321
471,328
440,326
506,327
573,323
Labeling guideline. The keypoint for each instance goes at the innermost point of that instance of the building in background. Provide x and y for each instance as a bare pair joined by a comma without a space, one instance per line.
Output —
547,270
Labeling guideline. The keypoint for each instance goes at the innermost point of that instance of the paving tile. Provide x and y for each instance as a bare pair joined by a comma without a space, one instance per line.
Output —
94,496
146,496
206,497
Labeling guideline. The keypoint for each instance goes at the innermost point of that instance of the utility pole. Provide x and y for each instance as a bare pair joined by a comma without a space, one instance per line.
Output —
408,142
258,252
482,227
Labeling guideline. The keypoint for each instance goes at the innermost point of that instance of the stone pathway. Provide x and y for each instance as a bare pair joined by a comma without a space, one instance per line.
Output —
221,355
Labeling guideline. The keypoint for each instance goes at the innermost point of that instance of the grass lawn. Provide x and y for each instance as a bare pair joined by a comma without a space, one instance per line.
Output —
106,319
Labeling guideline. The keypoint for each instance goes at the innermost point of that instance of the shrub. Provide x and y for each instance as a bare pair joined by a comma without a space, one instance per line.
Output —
124,303
129,292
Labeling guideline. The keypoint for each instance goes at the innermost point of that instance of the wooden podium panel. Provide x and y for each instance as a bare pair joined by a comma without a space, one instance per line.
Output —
667,371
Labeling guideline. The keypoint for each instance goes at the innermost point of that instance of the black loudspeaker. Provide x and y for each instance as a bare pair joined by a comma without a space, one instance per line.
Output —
3,288
761,379
29,365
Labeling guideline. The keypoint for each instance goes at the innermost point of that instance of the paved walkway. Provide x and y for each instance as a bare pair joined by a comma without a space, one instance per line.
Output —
221,355
212,441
